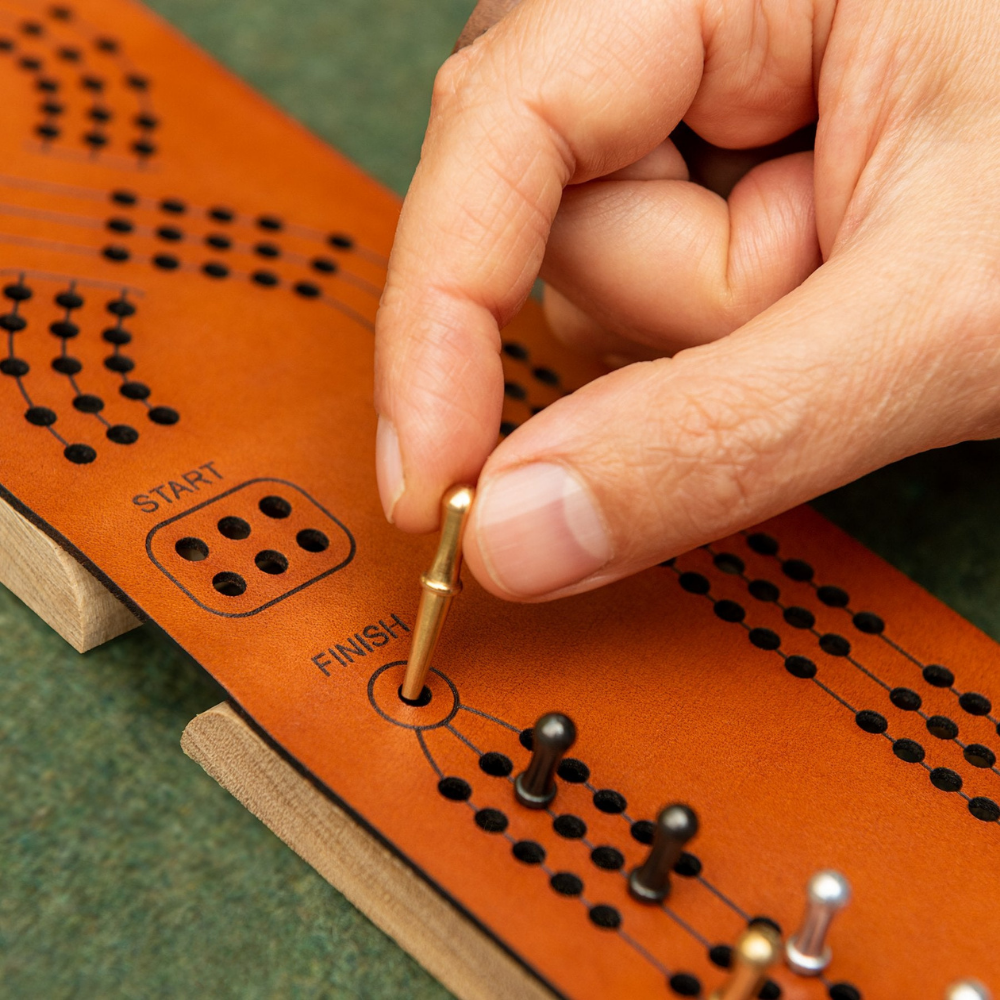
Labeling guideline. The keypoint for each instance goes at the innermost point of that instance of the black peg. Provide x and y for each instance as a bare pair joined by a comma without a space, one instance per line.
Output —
675,826
553,735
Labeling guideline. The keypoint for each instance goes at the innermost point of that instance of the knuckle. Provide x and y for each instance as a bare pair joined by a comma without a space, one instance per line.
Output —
450,81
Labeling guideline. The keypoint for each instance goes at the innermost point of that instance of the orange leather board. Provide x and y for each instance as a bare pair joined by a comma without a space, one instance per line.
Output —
190,281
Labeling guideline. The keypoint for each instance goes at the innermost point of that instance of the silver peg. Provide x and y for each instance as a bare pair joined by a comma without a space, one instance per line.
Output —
968,989
807,952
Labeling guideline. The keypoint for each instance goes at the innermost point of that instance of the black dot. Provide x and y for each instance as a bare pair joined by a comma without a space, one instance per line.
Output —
938,676
12,323
307,289
491,820
546,375
844,991
835,645
801,667
340,241
95,139
134,390
270,222
514,390
40,416
121,197
455,789
99,114
979,756
48,131
215,270
728,563
799,617
233,527
566,884
721,955
496,765
946,779
643,830
218,241
118,363
871,722
764,638
276,507
191,549
975,704
230,584
312,540
69,300
166,261
87,403
908,750
796,569
605,916
116,252
143,147
528,852
51,107
116,335
30,62
271,562
688,865
94,83
324,265
514,350
120,307
729,611
769,991
574,771
17,292
47,86
164,415
80,454
106,44
64,328
119,225
32,28
173,205
507,427
865,621
608,858
66,365
122,434
904,698
942,727
569,826
267,250
15,367
424,698
763,590
685,985
144,120
527,738
763,544
221,214
266,278
985,809
61,13
170,233
6,44
609,801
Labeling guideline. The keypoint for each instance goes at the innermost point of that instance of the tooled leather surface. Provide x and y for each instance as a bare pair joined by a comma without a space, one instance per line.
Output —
272,389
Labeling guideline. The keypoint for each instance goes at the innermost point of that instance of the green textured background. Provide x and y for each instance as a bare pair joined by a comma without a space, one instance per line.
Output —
124,870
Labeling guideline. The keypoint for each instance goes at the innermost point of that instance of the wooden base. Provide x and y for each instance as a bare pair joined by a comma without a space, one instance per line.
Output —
56,587
445,942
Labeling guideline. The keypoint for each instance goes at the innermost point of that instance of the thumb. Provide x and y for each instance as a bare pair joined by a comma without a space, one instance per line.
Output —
856,368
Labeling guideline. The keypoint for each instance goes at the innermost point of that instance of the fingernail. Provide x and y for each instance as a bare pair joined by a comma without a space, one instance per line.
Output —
540,530
388,466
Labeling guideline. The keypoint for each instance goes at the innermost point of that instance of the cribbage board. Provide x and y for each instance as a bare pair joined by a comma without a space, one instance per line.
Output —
189,283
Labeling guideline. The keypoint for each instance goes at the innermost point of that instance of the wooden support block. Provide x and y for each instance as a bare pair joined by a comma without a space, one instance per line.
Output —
56,587
437,934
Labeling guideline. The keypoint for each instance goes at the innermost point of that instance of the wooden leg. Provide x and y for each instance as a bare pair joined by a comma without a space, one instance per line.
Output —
447,943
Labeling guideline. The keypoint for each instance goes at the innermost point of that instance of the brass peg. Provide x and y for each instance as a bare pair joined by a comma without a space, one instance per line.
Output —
440,585
755,952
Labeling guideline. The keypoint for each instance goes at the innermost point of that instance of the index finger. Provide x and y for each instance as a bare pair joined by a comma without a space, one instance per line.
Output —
556,93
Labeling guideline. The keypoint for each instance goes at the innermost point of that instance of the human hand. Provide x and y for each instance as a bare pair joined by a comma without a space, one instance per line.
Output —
839,312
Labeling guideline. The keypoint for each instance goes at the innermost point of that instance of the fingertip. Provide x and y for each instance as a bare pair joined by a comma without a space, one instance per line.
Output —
388,467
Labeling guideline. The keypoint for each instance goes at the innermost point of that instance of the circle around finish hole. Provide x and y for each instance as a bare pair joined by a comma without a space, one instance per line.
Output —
80,454
574,771
566,883
605,916
455,789
275,506
422,699
608,858
233,527
122,434
312,540
192,549
496,765
685,985
528,852
908,751
271,562
229,584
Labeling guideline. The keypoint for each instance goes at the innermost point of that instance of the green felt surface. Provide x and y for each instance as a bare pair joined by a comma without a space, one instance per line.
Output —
124,870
